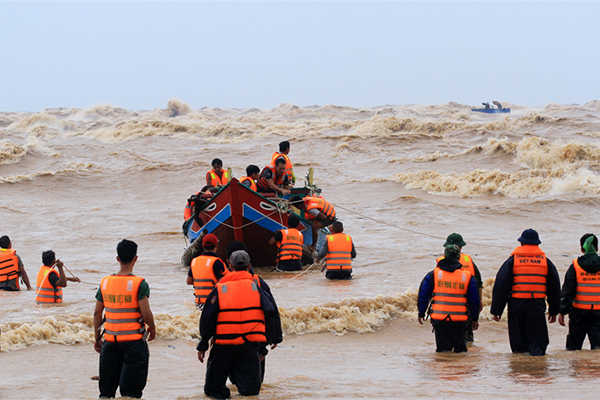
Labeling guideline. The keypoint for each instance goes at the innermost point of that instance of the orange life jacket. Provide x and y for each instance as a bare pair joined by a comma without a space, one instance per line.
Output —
319,203
9,267
466,262
122,315
215,180
252,183
587,296
530,269
288,164
241,317
187,211
339,252
450,295
263,183
204,277
290,247
46,293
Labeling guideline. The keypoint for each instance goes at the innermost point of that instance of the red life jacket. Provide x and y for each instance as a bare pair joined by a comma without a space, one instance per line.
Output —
530,269
241,317
450,295
290,247
587,296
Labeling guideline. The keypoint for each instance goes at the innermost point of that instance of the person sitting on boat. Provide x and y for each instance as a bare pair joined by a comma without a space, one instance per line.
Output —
289,246
338,252
498,104
284,150
206,270
486,105
217,176
318,211
274,179
252,175
49,281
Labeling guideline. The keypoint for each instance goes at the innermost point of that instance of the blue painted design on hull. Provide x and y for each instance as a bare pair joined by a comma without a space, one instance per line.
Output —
221,217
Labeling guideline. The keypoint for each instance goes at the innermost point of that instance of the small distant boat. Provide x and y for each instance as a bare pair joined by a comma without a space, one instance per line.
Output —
491,110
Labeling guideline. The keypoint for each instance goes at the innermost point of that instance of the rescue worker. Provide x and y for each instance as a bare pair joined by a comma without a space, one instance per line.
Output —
217,176
194,250
123,297
289,246
338,252
274,179
49,281
453,293
526,280
284,150
318,211
252,175
580,297
11,267
240,319
468,264
206,270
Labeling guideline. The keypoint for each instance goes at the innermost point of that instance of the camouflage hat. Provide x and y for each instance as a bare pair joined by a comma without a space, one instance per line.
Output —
452,251
455,238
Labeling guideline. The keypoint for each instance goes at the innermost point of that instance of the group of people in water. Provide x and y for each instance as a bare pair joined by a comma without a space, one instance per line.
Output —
451,296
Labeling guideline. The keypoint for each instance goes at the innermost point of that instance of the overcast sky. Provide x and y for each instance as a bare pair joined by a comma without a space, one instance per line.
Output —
238,55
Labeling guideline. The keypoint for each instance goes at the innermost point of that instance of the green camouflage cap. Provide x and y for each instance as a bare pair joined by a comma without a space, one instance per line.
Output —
452,251
455,238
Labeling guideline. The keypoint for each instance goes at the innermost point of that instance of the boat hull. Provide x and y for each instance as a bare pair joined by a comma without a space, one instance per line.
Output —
491,110
239,213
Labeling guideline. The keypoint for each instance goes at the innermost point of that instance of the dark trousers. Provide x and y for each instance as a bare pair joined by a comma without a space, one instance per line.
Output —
582,323
123,365
290,265
450,336
527,330
338,274
241,362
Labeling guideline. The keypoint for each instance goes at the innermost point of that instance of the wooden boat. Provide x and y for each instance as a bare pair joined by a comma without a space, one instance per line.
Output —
239,213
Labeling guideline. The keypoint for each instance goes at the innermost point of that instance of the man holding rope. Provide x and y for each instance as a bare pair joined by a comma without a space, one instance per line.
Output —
49,281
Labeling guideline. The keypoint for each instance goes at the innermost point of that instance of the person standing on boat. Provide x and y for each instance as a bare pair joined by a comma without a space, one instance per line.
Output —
252,175
128,322
580,297
338,252
526,280
318,211
240,319
274,179
468,264
284,150
454,298
11,267
49,281
289,246
206,270
217,176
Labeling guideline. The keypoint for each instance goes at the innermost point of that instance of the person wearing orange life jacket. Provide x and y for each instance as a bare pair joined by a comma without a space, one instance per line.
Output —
206,270
274,179
526,280
289,246
454,298
338,252
318,211
240,319
468,264
11,267
217,176
49,281
284,150
252,175
128,322
580,296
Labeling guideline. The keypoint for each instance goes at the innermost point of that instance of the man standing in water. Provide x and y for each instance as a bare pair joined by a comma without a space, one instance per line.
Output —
49,281
11,267
338,252
524,281
241,319
580,297
128,323
468,264
450,289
